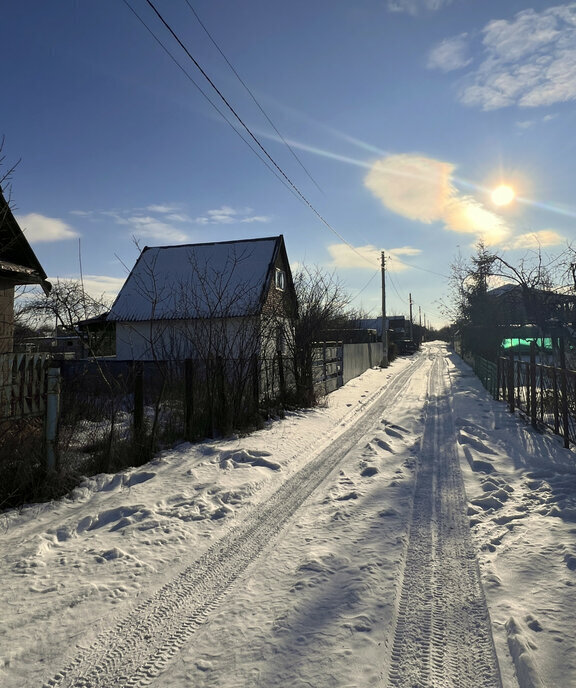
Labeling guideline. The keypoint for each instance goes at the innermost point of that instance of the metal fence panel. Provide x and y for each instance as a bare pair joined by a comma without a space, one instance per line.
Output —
545,394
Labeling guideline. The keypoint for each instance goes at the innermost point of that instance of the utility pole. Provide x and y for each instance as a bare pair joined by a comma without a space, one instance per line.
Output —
420,337
384,363
411,325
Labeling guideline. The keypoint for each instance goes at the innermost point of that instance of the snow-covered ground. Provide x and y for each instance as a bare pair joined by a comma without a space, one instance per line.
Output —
284,558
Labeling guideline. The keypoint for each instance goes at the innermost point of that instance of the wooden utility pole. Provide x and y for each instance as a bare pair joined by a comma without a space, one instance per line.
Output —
384,363
420,336
411,326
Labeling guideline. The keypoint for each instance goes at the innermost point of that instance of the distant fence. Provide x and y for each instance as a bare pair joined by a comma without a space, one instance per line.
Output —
360,357
91,416
334,364
544,394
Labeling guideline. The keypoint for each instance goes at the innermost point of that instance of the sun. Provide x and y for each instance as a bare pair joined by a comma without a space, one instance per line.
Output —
503,195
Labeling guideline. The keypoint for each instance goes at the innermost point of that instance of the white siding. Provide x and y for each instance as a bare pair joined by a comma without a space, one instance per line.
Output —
178,339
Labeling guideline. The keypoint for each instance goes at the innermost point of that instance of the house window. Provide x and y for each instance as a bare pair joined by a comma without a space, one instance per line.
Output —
280,279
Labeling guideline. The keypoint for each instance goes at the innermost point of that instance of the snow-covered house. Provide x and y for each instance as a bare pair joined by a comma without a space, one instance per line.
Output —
231,299
18,266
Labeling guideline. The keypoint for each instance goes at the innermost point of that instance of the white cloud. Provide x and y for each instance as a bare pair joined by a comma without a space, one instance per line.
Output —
256,218
529,123
98,285
344,256
539,239
162,208
167,223
38,228
415,6
422,189
525,124
451,54
227,215
179,217
412,185
528,61
82,213
149,227
466,215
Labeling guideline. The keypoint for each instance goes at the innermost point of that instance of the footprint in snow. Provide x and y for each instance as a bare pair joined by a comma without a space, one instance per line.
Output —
394,427
383,444
475,443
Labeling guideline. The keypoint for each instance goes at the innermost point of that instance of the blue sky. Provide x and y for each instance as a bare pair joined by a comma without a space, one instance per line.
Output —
403,115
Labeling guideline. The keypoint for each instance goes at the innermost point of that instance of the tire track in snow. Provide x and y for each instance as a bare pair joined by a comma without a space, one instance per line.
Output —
136,650
443,636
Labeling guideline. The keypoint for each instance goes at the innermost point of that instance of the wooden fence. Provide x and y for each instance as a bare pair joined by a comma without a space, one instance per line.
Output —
544,394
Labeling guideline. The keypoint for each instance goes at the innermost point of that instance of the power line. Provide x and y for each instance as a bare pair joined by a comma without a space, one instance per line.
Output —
368,283
282,176
207,97
395,288
251,134
252,95
417,267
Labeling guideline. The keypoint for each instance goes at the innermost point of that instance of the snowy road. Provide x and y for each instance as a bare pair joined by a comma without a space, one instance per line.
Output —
139,647
336,548
443,634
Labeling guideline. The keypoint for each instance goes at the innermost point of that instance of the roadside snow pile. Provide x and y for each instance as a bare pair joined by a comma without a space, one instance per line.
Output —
521,487
68,565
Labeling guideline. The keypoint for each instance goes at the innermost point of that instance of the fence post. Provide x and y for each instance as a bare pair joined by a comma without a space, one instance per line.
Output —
555,397
564,390
188,397
51,419
532,384
324,367
511,387
138,400
255,381
281,377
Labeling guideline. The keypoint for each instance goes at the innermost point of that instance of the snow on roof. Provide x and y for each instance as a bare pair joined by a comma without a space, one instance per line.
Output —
224,279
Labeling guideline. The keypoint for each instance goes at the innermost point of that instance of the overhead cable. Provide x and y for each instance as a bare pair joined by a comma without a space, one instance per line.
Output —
251,94
207,97
251,134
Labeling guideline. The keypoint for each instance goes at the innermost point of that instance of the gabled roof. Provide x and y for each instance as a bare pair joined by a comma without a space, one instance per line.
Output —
212,280
515,291
18,262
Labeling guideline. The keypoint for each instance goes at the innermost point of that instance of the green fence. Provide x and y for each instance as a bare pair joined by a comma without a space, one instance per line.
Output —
487,372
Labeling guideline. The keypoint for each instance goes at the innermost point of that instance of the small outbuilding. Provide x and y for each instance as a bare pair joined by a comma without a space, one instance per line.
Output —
230,299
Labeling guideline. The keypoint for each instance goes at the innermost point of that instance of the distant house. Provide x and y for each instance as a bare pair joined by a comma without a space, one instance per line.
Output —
522,305
231,299
18,266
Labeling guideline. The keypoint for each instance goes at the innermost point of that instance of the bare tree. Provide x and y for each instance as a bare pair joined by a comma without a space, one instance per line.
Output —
528,294
209,311
322,304
65,306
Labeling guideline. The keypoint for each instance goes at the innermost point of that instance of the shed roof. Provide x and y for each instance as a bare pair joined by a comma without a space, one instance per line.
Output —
211,280
18,262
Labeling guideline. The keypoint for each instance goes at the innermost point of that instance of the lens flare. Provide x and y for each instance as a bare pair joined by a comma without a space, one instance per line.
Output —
503,195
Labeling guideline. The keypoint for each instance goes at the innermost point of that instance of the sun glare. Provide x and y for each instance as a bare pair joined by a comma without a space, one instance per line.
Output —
503,195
